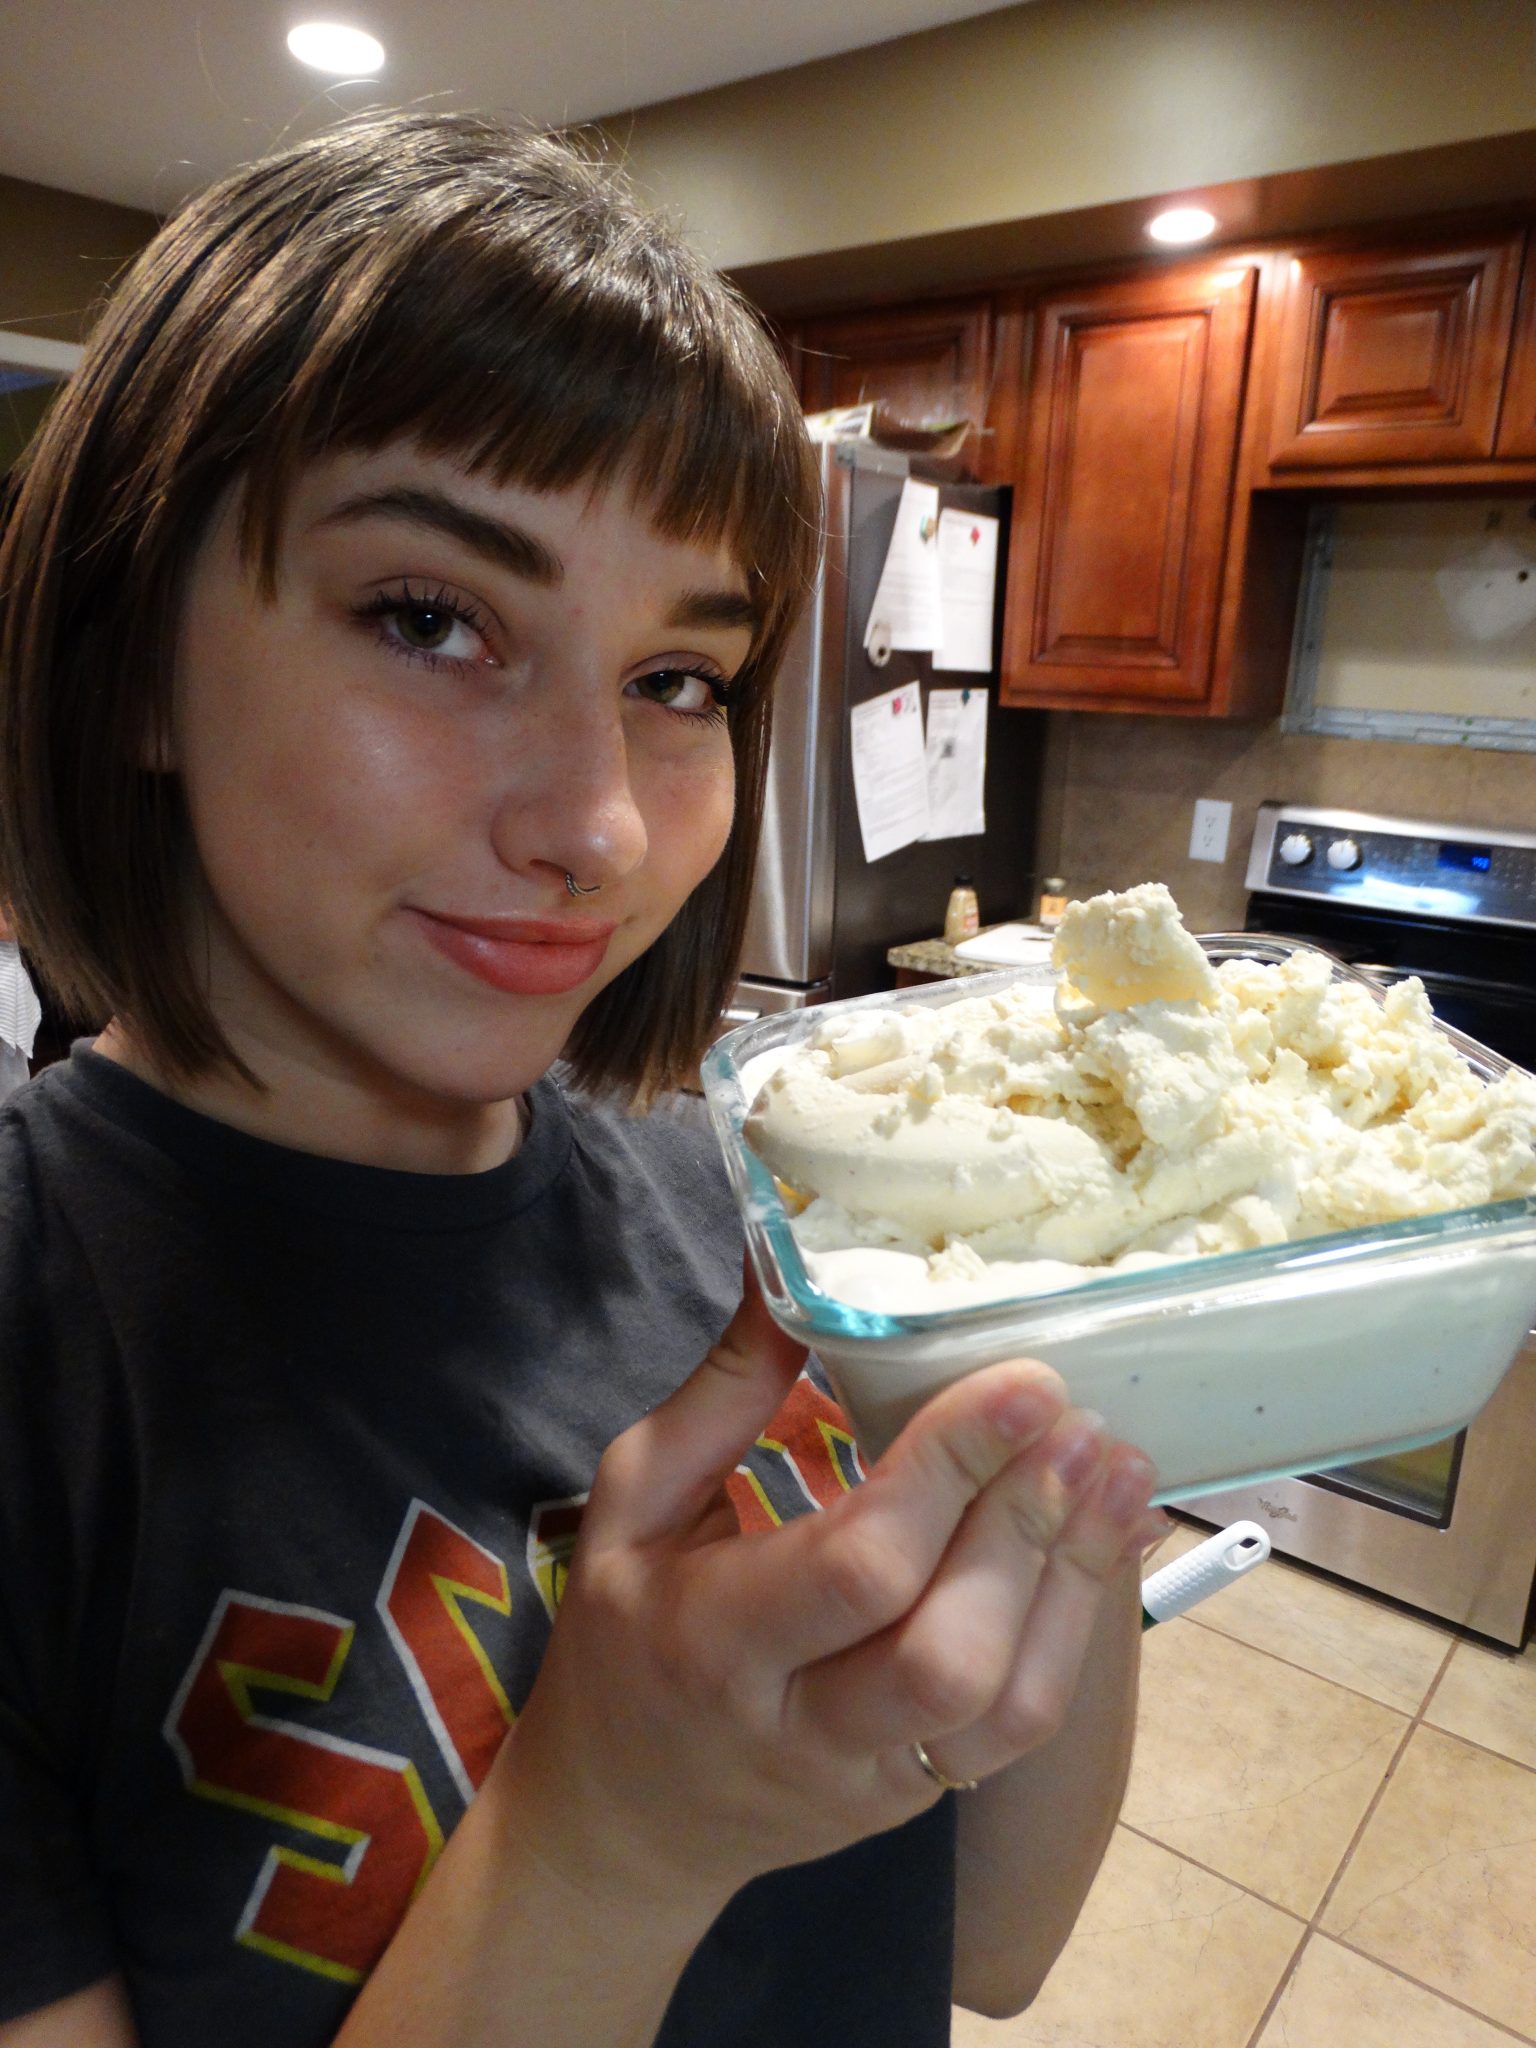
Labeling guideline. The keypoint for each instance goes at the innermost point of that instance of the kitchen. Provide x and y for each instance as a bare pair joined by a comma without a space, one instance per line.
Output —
1306,1752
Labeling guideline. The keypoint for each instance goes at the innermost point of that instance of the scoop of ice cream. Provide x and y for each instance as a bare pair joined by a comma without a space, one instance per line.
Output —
933,1162
1173,1065
1119,950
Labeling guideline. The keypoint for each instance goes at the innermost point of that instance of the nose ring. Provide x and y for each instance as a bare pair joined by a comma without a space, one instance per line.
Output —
575,887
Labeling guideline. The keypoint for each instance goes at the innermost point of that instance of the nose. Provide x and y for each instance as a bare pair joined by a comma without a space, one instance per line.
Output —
571,807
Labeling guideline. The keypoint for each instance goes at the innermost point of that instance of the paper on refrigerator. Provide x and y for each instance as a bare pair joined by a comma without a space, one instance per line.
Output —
906,612
967,554
957,763
890,777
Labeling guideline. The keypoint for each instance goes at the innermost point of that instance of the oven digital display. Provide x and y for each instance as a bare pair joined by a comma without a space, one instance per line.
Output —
1475,860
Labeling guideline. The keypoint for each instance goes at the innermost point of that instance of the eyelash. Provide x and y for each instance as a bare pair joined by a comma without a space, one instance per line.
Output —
390,604
719,689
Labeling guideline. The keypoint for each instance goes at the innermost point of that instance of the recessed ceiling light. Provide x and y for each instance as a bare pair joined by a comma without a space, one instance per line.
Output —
1182,224
327,46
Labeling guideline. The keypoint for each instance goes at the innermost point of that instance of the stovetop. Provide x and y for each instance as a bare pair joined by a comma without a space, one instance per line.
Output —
1452,903
1357,860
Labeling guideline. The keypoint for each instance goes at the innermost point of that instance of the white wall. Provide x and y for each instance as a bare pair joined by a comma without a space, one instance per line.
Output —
1069,104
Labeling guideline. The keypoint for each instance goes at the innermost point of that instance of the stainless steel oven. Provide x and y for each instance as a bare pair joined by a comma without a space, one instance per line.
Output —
1450,1529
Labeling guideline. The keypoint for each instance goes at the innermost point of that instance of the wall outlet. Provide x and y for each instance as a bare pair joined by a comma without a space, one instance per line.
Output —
1208,836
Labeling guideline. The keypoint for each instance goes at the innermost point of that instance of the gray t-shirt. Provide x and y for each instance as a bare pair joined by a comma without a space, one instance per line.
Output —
291,1460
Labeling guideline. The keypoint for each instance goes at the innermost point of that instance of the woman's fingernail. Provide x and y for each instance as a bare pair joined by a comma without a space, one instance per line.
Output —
1127,1489
1023,1412
1078,1448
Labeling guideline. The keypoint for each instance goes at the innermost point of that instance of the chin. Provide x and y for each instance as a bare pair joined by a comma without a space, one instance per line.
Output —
475,1052
473,1078
466,1067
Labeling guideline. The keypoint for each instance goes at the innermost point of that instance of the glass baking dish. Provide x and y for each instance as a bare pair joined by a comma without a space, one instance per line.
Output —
1226,1369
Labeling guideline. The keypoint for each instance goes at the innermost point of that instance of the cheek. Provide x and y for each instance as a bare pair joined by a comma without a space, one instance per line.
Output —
690,812
285,757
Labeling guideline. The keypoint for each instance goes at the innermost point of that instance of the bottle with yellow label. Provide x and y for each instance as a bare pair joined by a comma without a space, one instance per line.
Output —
1053,901
962,920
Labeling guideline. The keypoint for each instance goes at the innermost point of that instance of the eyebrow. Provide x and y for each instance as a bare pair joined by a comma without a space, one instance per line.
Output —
724,608
509,547
522,553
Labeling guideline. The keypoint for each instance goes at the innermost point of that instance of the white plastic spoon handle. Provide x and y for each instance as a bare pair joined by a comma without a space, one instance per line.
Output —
1203,1571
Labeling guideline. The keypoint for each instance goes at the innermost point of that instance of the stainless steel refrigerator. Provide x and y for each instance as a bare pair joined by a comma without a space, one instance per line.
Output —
823,917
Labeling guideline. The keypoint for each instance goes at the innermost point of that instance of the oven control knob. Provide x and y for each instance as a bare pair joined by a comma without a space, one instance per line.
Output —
1296,849
1343,855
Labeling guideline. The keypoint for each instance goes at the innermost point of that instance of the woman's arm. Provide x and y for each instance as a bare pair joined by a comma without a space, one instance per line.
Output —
713,1705
1031,1839
96,2018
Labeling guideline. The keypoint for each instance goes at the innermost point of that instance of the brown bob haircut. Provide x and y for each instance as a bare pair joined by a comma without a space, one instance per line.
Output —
487,293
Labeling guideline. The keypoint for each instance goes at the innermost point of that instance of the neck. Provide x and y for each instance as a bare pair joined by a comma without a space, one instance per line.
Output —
378,1122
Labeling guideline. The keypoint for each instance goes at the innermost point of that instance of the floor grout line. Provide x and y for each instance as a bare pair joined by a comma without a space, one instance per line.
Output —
1418,1715
1501,1756
1434,1990
1314,1925
1210,1870
1306,1927
1307,1670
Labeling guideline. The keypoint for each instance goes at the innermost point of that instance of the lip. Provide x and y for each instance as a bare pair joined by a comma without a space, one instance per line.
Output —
525,956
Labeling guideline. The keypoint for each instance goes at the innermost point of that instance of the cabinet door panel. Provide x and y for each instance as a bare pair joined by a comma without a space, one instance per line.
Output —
1393,356
926,362
1124,457
1120,530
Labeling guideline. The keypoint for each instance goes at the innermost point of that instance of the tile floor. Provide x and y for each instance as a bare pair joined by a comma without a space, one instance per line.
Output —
1329,1840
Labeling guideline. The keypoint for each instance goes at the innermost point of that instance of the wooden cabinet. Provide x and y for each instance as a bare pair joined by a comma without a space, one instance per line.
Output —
1126,458
926,361
1393,355
1164,427
1517,416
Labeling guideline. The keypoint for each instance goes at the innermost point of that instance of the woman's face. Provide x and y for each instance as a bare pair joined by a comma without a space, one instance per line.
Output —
462,692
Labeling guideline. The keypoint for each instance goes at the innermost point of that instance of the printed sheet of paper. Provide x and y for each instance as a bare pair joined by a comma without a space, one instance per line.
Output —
957,763
906,610
890,778
967,589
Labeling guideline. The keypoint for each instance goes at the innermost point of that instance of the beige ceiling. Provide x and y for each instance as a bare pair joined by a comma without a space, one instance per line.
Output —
143,101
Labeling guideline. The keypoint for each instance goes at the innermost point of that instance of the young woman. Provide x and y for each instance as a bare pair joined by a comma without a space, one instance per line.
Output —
390,612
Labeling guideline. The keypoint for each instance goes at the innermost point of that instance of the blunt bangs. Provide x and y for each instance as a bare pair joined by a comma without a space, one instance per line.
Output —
494,296
542,341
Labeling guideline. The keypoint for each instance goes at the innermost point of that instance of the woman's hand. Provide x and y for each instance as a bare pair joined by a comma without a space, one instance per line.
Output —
713,1704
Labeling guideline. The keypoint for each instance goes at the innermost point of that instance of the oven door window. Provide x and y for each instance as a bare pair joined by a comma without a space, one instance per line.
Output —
1419,1484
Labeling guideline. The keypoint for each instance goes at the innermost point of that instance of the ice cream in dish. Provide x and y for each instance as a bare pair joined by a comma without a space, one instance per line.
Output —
1151,1107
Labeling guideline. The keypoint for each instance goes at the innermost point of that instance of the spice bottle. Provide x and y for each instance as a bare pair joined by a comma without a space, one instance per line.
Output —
1053,901
962,920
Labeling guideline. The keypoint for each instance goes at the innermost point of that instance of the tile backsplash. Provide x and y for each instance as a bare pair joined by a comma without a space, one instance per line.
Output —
1120,795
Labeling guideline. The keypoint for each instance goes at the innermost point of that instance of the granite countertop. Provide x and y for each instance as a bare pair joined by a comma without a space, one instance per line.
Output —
936,956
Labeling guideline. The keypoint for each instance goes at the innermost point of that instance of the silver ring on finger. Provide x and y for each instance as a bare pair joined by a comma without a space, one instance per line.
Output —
939,1778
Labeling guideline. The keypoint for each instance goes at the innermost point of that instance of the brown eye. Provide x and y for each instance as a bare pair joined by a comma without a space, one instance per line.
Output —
433,629
681,689
421,626
666,686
